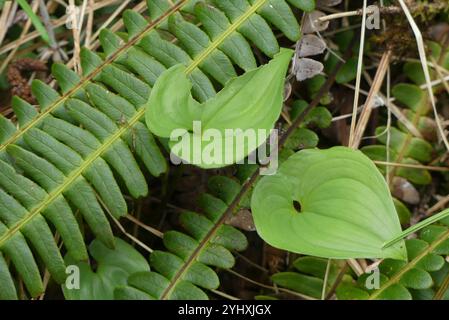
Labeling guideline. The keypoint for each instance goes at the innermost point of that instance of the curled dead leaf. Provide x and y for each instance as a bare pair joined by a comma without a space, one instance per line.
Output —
311,24
310,45
405,191
243,219
305,68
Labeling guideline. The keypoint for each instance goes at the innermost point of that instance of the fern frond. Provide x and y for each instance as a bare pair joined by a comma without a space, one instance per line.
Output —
66,163
406,280
420,277
187,266
308,274
209,240
7,140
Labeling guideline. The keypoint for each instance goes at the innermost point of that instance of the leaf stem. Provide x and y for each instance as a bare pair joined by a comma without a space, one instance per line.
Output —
232,28
443,214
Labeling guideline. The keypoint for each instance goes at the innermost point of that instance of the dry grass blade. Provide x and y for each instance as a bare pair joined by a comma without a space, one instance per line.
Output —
4,20
111,18
368,108
439,71
422,56
438,206
13,45
22,35
412,166
396,111
76,26
90,22
359,77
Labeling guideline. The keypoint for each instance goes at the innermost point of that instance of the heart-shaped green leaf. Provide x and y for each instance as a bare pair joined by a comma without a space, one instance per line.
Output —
252,101
346,210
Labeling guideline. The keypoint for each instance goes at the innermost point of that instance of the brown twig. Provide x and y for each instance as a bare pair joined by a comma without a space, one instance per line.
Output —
368,108
337,281
389,10
438,206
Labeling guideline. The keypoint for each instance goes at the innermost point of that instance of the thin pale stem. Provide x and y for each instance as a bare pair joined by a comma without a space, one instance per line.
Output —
326,277
412,166
443,214
358,78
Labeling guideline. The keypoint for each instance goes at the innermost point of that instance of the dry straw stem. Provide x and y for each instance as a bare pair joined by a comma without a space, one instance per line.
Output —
47,275
57,23
22,35
422,56
418,8
224,295
412,166
326,276
359,77
394,109
368,108
266,286
122,229
438,70
90,23
359,12
337,281
4,19
151,230
112,17
76,29
92,42
438,206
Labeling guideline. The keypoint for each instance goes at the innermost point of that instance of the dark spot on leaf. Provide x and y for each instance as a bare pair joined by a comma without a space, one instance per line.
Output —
297,206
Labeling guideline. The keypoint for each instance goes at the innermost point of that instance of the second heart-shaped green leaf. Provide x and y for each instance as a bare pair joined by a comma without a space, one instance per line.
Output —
328,203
